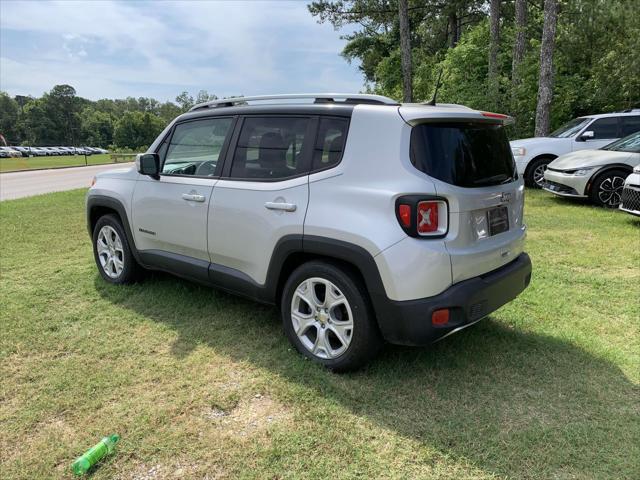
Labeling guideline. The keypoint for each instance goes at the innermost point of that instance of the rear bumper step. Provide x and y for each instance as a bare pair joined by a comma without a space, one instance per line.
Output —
409,322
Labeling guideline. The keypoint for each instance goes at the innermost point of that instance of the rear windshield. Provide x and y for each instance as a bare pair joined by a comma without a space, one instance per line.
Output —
463,154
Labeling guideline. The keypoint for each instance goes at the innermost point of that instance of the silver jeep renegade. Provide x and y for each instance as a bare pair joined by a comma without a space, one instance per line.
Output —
362,219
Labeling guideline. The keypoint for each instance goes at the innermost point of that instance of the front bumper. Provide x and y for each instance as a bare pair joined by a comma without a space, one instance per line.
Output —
631,195
566,185
409,322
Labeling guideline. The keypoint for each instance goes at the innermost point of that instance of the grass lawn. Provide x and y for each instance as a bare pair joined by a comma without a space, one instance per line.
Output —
201,384
24,163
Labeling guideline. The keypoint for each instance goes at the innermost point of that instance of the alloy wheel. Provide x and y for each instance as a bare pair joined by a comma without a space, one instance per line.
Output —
538,174
110,251
322,318
610,191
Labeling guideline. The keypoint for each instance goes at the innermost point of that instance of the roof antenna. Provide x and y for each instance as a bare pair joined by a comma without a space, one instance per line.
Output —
432,102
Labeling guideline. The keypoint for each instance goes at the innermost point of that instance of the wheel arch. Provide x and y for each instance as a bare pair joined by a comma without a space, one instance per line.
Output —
100,205
550,156
290,253
614,166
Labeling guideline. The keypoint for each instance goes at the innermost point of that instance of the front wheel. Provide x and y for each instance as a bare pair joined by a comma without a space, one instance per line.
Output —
327,316
606,190
112,253
534,177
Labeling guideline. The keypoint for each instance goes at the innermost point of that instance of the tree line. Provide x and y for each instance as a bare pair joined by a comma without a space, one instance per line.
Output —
542,61
60,117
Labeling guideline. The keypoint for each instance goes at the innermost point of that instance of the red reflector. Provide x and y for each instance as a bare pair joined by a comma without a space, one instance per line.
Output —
404,213
427,217
440,317
493,115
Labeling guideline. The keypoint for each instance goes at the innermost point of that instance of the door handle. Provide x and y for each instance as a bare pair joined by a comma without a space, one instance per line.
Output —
287,207
193,197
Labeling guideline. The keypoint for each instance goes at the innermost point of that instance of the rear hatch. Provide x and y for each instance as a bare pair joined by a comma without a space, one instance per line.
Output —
468,157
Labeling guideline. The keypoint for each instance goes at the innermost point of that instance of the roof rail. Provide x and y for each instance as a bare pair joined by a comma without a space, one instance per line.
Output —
350,98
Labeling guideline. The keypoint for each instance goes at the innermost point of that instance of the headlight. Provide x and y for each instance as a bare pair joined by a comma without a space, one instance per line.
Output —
581,172
636,169
518,151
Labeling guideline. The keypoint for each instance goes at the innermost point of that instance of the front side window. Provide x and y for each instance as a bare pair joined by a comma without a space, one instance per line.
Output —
194,148
604,128
332,134
271,148
570,129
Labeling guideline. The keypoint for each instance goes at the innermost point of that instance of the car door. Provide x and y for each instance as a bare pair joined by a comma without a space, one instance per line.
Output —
262,195
605,130
170,213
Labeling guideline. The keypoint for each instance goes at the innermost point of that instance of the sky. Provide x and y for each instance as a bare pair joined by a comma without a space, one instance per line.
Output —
116,49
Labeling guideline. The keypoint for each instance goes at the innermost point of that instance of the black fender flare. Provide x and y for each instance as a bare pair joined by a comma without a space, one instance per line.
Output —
97,201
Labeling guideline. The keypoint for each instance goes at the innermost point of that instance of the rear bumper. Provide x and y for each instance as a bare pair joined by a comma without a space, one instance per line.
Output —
409,322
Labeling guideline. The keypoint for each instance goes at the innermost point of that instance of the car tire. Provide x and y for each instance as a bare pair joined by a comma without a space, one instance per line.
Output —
327,316
534,174
606,189
112,252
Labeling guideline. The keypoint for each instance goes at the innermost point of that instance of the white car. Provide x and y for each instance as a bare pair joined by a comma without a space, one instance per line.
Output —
362,218
532,155
9,152
631,193
595,174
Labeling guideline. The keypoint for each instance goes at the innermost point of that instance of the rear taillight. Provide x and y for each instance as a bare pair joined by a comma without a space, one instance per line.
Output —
421,216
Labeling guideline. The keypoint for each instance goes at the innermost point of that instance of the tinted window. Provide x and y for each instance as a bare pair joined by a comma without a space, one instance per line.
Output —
195,146
604,128
270,148
463,154
630,125
332,134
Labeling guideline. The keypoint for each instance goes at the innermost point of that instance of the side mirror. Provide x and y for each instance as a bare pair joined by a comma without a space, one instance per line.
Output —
148,164
588,135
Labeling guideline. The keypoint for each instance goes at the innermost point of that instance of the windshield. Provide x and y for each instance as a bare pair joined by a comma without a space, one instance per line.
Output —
463,154
571,128
627,144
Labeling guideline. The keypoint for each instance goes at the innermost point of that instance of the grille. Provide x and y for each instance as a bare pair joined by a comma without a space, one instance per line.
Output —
558,187
631,199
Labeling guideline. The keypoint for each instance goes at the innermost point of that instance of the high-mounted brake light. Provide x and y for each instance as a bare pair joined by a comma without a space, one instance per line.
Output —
494,115
423,217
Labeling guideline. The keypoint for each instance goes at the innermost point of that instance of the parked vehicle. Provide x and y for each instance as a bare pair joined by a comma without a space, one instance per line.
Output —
67,150
9,152
82,151
595,174
631,193
38,151
24,151
362,218
532,155
52,151
101,150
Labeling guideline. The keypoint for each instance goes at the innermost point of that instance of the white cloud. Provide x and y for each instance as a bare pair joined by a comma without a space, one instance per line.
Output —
158,49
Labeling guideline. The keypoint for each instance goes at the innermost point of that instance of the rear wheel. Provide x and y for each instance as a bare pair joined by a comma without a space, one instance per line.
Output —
606,190
534,176
327,316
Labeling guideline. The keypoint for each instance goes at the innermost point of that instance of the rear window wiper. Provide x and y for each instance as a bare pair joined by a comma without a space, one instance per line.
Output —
496,179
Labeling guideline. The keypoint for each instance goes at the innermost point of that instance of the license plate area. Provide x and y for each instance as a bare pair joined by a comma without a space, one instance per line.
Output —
498,220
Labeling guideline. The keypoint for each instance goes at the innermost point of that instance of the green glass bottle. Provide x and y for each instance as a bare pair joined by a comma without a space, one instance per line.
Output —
94,454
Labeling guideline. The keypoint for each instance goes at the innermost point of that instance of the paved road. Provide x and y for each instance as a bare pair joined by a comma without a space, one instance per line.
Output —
26,184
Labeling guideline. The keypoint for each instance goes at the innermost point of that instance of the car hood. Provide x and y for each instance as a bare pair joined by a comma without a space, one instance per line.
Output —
124,173
535,141
589,158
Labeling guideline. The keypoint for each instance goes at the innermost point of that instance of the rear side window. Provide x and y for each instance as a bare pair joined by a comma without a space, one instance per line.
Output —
271,148
463,154
604,128
332,134
195,146
630,125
